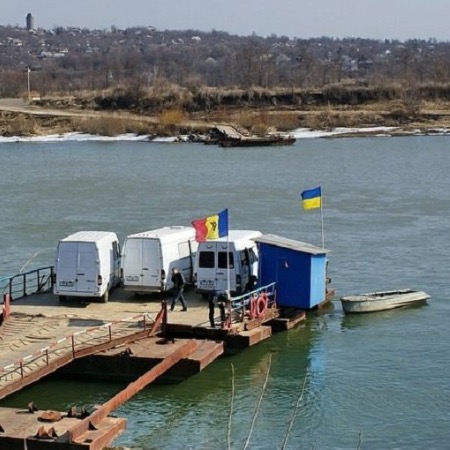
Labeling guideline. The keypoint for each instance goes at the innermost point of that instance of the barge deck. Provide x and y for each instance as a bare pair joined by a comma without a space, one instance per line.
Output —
41,335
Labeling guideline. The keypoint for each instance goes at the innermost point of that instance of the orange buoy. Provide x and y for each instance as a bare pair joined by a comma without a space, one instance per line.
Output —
261,305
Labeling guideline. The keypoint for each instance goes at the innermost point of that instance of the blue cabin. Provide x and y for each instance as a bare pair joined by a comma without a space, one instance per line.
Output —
297,268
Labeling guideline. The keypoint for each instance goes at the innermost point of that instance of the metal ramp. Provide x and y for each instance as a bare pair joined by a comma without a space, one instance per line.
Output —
20,334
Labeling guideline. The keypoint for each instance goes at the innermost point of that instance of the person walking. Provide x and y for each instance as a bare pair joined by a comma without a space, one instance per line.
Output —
178,289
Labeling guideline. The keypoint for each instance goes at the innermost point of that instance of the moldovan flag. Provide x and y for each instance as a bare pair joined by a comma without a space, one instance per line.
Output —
312,198
212,227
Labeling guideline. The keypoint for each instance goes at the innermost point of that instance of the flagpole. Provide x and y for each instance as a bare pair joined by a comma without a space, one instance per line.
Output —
228,264
321,216
228,255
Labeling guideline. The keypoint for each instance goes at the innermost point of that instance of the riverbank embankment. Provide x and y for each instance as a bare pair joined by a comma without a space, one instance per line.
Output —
26,119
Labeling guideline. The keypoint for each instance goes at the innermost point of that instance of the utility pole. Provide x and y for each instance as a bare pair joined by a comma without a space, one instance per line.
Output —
28,84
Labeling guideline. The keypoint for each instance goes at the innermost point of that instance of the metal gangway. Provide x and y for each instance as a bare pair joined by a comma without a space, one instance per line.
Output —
44,360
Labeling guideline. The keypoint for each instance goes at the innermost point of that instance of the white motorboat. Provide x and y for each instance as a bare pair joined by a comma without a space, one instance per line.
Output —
381,301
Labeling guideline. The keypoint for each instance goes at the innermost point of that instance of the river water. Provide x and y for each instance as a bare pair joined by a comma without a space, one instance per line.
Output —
373,381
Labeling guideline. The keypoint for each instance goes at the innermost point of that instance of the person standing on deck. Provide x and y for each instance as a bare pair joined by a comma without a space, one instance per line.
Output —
178,289
220,299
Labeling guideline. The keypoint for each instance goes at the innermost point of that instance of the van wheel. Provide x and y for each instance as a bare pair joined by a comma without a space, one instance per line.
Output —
105,297
62,298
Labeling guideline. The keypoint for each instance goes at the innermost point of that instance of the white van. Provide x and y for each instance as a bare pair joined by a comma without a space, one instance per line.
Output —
149,257
87,265
215,270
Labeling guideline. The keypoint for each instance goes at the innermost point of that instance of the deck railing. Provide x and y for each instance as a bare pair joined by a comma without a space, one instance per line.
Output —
35,281
246,305
81,343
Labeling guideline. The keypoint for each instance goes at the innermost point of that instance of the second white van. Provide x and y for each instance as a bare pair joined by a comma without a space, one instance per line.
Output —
87,264
149,257
229,263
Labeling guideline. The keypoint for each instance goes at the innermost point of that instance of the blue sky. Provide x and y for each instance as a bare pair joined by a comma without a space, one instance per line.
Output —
379,19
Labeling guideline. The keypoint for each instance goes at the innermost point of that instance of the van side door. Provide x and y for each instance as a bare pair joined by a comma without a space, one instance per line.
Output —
254,262
115,278
245,267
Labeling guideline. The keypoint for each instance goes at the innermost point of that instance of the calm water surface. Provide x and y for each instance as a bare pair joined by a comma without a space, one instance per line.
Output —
376,381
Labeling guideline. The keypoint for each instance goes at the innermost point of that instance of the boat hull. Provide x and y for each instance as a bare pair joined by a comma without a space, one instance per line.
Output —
382,301
257,142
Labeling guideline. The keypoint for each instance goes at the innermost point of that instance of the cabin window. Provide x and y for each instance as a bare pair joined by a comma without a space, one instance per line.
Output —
223,260
206,260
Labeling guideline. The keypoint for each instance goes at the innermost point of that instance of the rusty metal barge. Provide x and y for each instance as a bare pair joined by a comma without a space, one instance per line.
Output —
135,340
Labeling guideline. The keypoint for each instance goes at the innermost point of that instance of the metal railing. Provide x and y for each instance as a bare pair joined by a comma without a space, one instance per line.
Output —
242,306
82,343
35,281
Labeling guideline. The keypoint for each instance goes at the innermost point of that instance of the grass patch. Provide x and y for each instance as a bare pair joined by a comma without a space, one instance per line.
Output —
341,119
111,126
264,121
171,121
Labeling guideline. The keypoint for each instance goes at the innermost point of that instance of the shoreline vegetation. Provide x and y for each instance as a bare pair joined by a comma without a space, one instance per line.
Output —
151,82
174,111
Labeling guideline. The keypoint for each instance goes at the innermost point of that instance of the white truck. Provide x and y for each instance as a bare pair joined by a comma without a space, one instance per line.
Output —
148,258
229,263
87,264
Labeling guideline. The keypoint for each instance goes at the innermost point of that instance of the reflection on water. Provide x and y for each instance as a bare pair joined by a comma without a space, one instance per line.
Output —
237,382
350,321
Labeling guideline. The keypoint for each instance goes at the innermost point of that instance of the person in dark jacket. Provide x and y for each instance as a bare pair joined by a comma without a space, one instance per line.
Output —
178,289
220,299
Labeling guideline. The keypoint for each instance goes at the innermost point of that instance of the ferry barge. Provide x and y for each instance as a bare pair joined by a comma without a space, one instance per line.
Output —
136,340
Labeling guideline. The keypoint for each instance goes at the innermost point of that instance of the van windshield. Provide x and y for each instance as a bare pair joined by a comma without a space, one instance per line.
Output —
223,260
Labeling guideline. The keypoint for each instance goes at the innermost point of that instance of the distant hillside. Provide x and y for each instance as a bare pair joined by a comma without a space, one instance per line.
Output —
187,79
72,60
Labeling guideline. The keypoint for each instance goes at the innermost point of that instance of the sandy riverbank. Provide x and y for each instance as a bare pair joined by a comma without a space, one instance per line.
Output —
31,121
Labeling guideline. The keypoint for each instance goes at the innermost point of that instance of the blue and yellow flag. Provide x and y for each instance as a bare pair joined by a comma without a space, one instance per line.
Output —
211,227
312,198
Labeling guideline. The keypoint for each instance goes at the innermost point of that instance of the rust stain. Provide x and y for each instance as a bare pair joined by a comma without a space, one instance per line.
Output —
133,388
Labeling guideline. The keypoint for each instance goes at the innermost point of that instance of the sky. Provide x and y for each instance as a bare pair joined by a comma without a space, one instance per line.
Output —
374,19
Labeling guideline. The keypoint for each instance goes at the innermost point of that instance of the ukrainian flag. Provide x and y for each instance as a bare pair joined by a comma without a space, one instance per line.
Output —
312,198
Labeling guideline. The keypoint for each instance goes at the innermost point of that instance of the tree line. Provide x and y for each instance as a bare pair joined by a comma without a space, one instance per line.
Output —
147,68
